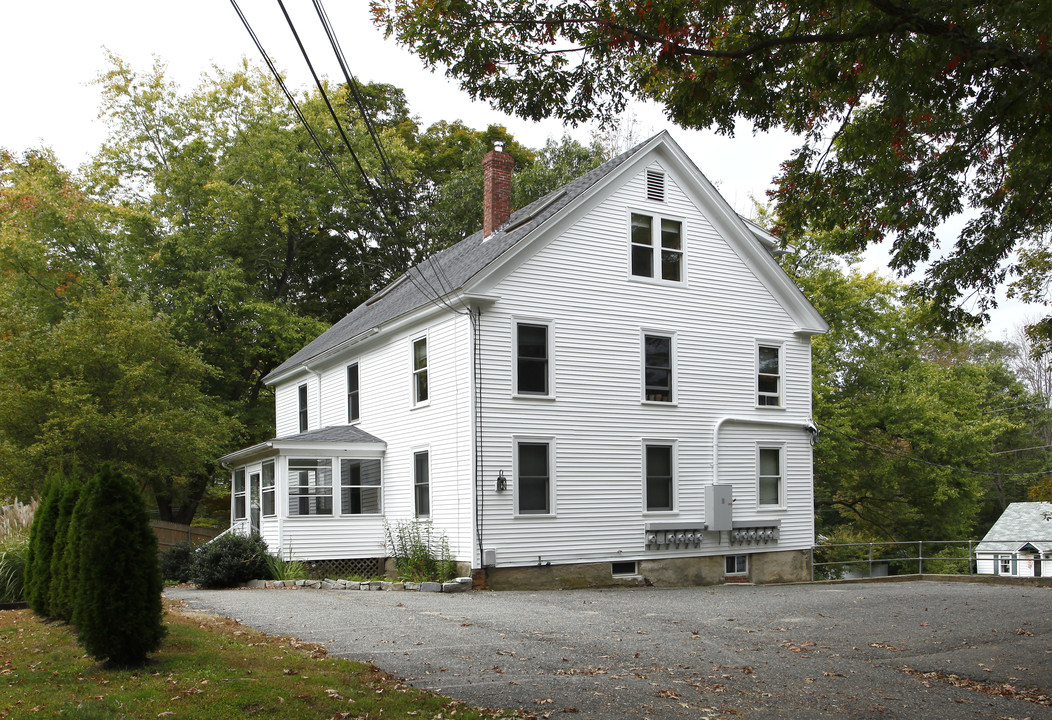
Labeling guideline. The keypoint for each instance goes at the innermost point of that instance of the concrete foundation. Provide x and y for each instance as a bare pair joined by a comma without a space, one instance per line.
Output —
766,567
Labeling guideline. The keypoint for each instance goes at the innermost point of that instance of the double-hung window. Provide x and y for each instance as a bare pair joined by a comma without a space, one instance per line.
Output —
657,247
353,409
658,468
657,368
302,407
310,486
269,509
533,477
769,481
531,359
359,487
420,389
422,483
240,506
769,375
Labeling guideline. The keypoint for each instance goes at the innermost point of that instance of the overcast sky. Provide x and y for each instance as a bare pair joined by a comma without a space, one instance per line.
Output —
54,49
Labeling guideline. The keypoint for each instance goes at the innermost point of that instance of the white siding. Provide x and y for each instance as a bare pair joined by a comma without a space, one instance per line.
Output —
581,283
442,426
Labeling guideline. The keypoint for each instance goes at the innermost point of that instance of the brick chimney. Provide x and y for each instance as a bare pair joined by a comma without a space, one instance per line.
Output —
496,188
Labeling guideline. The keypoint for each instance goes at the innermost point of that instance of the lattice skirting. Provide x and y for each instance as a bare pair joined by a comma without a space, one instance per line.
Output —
345,569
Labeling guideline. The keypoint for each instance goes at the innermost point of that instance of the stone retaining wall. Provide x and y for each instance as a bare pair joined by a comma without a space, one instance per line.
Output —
462,584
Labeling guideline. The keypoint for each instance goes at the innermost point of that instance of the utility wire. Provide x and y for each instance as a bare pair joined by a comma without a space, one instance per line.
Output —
911,458
292,101
325,97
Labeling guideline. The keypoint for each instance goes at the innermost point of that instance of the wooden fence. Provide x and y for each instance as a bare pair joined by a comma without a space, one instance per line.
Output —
171,534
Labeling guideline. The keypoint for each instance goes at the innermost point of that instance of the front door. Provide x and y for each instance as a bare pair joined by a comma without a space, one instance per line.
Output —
1037,566
254,490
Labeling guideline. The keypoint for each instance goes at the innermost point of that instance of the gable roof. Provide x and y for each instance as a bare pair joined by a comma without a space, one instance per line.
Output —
434,280
1019,524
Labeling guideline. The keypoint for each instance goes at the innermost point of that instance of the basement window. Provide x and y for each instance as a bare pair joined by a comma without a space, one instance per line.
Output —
736,565
628,568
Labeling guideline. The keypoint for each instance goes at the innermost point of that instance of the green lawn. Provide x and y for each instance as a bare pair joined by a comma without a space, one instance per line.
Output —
209,668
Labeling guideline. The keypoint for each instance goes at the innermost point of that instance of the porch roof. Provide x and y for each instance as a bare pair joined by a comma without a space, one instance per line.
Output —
337,437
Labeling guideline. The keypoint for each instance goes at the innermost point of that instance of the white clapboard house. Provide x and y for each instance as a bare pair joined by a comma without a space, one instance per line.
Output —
610,385
1019,543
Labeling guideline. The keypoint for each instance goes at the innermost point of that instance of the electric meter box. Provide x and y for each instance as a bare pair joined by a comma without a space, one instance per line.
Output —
718,507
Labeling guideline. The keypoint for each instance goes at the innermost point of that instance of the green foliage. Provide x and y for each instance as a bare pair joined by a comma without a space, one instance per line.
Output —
910,113
41,543
419,554
177,562
117,610
230,560
108,383
61,594
912,421
280,568
16,519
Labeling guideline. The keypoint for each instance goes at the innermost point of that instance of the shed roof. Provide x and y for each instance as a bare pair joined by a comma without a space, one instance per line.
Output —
1019,524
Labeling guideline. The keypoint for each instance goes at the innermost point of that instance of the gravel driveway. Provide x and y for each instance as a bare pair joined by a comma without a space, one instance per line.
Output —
798,651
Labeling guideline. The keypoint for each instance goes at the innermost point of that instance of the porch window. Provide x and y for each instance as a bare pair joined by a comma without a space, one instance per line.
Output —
310,487
269,509
239,494
360,488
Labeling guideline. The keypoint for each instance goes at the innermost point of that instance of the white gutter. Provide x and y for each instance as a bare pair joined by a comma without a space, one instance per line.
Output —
809,426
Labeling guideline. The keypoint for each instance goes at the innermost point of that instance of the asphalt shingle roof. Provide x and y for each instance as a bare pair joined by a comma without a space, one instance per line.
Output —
332,434
1020,523
451,268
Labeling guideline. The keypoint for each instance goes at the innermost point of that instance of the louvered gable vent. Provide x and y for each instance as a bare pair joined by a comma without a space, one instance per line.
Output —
655,185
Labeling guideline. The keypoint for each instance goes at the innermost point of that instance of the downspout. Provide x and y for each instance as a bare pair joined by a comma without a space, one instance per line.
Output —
476,382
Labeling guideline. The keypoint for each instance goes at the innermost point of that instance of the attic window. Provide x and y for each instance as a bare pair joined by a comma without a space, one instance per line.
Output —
656,185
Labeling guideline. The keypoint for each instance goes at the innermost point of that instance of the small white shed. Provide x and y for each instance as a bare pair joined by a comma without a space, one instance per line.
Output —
1019,543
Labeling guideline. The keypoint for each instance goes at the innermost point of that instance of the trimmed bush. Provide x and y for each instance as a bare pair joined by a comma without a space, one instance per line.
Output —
230,560
60,595
177,562
117,610
41,543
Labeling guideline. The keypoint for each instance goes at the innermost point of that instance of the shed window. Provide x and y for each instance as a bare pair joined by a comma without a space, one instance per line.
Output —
310,486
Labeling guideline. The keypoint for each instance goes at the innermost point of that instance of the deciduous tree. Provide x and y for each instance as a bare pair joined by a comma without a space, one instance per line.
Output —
909,112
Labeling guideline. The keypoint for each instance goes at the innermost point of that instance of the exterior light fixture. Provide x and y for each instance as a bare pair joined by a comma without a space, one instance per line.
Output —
502,482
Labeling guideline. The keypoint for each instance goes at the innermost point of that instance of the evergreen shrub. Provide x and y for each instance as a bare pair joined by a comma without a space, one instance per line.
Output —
117,610
230,560
41,543
177,562
65,547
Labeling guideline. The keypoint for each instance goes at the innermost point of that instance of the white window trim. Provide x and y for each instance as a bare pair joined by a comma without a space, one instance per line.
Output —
347,393
303,407
665,442
643,367
516,440
736,573
273,488
780,345
337,486
550,326
426,337
430,485
333,487
234,494
780,447
655,261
